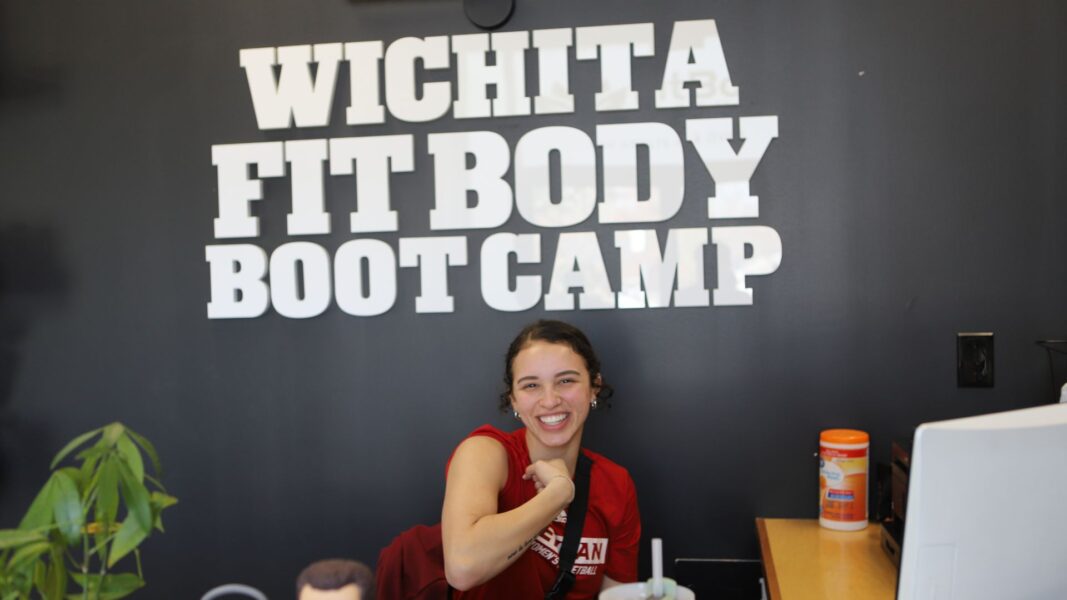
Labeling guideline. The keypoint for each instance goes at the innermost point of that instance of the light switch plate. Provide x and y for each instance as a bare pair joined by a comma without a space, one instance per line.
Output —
974,359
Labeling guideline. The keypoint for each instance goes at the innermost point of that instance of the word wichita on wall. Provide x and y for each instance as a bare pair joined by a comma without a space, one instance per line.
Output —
554,183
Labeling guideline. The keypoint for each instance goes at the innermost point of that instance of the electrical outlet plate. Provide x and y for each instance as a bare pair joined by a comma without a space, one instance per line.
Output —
974,359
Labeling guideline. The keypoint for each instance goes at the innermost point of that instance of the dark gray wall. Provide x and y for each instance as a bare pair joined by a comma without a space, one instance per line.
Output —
917,184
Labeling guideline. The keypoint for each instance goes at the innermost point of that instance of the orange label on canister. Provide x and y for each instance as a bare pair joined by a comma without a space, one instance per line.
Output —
843,476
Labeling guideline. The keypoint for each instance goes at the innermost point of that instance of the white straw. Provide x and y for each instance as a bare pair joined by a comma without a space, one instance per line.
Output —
657,567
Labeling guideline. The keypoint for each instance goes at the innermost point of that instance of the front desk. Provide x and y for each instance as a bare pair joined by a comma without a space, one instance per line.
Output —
803,561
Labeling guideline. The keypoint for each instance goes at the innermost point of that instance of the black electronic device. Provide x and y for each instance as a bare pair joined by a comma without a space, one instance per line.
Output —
893,524
722,578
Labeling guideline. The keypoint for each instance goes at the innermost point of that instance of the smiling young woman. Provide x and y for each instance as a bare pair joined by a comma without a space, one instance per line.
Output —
506,495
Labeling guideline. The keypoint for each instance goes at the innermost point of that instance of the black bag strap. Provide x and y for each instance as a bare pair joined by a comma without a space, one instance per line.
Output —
572,534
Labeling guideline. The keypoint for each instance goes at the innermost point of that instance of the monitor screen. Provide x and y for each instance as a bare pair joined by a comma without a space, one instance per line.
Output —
987,508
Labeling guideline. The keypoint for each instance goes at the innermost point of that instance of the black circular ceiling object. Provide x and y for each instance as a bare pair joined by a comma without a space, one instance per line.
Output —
488,14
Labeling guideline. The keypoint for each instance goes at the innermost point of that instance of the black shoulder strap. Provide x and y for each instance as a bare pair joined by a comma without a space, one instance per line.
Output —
572,535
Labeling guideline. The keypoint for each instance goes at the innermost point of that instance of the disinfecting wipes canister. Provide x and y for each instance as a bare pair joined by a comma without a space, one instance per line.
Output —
843,479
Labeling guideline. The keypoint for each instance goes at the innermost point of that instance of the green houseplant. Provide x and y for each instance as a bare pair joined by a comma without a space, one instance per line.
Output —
71,537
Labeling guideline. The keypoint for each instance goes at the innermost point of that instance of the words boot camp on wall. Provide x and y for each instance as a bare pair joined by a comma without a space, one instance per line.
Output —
555,176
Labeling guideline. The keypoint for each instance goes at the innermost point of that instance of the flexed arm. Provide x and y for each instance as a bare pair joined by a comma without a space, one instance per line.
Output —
478,542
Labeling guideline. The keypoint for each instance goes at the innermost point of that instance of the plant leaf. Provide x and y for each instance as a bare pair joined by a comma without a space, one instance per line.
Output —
107,492
112,433
88,470
40,512
136,496
129,452
67,507
78,441
40,576
163,500
149,449
130,535
27,553
16,582
155,482
91,474
160,501
93,452
117,585
55,579
75,475
113,586
11,538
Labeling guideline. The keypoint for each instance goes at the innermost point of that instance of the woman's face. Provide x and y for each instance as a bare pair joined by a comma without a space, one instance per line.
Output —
551,390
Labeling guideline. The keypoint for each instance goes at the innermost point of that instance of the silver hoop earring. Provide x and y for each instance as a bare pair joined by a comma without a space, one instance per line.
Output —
515,414
593,404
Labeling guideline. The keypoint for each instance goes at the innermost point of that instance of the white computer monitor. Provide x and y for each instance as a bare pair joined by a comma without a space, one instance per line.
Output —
987,508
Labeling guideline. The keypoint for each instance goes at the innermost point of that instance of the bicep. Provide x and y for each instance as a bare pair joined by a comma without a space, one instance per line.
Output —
477,473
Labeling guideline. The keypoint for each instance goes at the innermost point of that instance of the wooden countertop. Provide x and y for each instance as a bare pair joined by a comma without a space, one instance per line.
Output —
803,561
